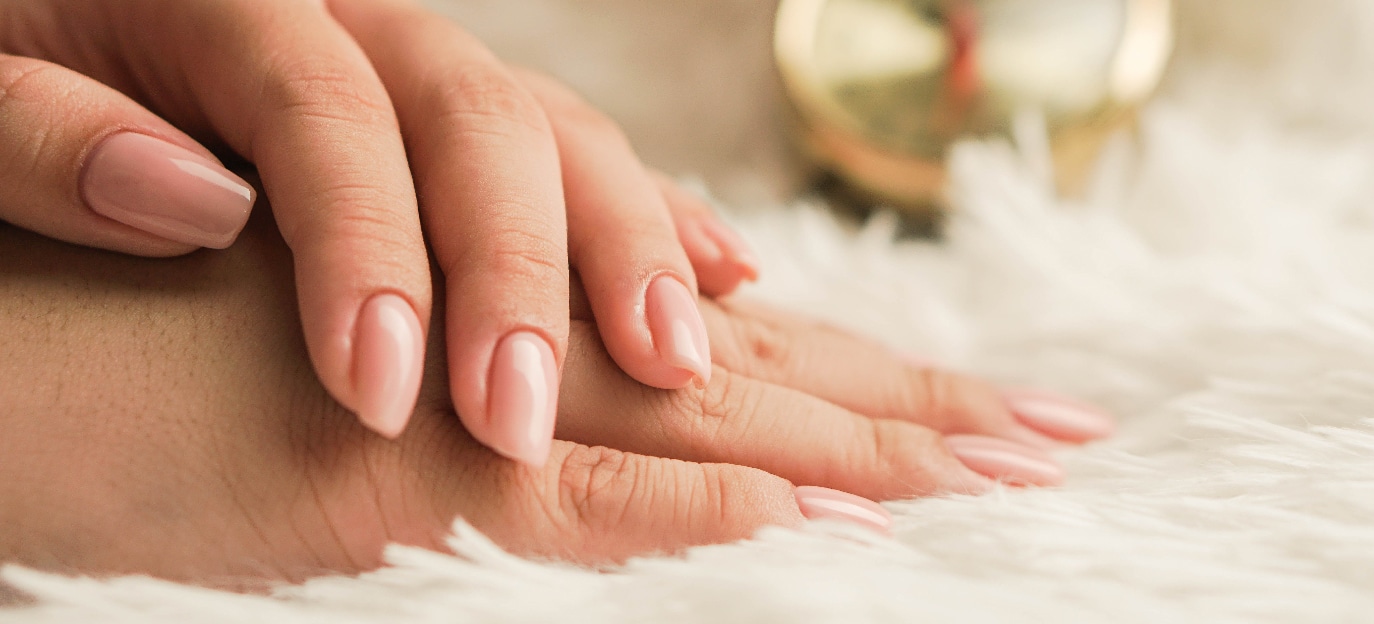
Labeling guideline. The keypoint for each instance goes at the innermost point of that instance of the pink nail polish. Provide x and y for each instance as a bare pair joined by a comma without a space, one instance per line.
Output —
523,398
1059,417
388,363
166,190
733,246
675,322
1004,460
690,232
818,502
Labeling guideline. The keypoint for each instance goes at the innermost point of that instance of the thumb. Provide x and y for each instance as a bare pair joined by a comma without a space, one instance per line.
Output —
80,162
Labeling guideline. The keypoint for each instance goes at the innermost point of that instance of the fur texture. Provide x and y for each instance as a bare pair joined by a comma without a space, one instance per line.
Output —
1214,288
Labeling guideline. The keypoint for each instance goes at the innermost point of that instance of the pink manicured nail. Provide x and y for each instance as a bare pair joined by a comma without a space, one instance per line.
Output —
166,190
693,236
818,502
1004,460
524,398
1058,417
388,362
733,246
678,331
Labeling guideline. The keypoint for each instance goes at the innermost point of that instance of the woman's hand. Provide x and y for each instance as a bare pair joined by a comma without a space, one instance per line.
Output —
370,122
818,406
162,417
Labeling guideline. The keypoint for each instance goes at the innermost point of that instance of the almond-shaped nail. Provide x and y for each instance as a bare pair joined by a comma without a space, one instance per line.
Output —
818,502
733,246
675,323
523,399
166,190
388,363
690,232
1059,418
1010,462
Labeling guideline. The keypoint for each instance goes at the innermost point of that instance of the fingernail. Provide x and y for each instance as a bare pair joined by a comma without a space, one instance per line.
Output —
818,502
166,190
388,362
524,398
1059,418
693,234
733,246
675,322
1004,460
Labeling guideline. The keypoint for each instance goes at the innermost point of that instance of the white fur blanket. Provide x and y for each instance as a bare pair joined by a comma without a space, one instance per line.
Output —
1215,288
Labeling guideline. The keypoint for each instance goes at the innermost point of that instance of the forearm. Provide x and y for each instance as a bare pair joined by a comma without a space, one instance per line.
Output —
119,374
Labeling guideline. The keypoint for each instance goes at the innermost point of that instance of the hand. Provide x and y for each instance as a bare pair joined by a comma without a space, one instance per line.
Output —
163,418
348,110
819,406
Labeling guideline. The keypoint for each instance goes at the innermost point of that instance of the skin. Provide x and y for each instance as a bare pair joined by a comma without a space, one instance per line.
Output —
432,145
162,417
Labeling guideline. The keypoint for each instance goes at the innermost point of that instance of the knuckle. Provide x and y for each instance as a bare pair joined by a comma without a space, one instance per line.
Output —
909,460
941,400
367,226
728,397
597,487
321,88
481,99
26,84
927,395
643,233
692,416
757,346
518,256
710,421
26,81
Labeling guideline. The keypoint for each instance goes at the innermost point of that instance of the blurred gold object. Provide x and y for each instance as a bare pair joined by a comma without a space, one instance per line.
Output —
881,88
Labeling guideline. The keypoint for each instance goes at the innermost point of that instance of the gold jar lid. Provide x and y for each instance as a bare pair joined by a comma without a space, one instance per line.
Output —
881,88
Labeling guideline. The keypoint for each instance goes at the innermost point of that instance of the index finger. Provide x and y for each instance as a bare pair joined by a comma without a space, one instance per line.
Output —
285,86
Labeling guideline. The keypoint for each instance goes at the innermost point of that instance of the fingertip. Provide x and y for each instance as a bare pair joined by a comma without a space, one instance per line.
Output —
714,247
1059,417
733,248
820,503
522,403
388,362
166,190
679,333
719,257
1006,461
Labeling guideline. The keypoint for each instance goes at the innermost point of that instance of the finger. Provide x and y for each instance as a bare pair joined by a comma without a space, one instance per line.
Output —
622,241
789,433
285,86
597,505
720,257
871,379
82,163
486,166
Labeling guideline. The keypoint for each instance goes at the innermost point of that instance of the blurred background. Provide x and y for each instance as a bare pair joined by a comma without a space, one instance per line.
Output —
690,81
693,82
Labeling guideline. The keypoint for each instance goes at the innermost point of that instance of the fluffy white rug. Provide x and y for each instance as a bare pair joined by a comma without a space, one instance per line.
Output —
1215,288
